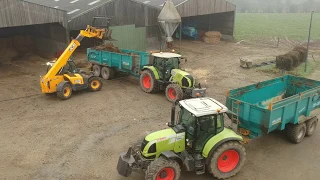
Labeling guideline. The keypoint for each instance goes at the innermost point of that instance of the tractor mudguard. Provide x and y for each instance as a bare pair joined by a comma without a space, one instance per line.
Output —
172,155
60,85
152,69
217,140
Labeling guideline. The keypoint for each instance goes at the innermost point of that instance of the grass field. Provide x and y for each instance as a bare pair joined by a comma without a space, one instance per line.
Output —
252,26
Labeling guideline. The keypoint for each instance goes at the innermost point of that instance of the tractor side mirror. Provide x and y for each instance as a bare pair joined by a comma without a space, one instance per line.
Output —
185,59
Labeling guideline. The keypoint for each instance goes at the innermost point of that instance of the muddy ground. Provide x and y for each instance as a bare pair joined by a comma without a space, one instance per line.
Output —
42,137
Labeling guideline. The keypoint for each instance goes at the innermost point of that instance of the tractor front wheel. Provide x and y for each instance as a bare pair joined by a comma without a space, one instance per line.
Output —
95,84
227,160
163,169
174,92
148,82
65,92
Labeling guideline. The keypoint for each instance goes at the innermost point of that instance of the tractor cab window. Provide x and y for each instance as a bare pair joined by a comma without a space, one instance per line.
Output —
173,63
165,65
187,120
207,128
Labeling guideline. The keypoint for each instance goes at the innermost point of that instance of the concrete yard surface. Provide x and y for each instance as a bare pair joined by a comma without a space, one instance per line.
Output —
42,137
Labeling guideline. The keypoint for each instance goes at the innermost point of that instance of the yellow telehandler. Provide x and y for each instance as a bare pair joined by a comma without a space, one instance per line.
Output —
63,77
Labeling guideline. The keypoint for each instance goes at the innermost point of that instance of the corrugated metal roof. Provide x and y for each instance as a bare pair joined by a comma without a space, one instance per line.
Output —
159,3
73,8
22,13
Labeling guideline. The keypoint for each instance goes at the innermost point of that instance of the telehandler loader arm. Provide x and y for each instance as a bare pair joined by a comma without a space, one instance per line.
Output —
89,32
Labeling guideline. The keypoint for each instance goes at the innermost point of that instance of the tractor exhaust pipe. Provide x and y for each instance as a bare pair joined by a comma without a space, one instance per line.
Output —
173,113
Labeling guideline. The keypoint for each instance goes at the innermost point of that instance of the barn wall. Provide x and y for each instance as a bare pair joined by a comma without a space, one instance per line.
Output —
50,38
153,37
122,12
21,13
126,37
129,37
46,39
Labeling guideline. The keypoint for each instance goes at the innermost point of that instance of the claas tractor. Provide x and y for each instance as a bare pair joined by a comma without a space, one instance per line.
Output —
165,74
63,77
197,141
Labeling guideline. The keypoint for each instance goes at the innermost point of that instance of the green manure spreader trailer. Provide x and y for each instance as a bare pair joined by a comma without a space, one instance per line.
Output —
197,140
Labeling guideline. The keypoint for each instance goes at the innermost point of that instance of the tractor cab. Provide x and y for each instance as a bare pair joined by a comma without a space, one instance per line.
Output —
164,73
164,62
197,140
202,118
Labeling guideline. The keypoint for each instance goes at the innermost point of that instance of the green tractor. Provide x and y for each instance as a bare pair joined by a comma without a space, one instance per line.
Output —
165,74
197,141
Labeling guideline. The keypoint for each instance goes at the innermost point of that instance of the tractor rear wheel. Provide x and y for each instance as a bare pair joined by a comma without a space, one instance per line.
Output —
174,92
163,169
96,69
227,160
65,92
148,82
107,73
296,132
95,84
311,126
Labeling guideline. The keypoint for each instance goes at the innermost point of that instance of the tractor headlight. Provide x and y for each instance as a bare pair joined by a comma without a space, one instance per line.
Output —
173,73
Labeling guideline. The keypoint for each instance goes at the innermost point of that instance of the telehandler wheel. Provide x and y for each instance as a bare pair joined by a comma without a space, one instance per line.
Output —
65,92
227,160
95,84
148,82
174,92
96,69
163,169
296,132
311,126
107,73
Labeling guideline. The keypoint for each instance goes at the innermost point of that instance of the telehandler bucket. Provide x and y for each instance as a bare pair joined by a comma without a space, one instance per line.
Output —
105,25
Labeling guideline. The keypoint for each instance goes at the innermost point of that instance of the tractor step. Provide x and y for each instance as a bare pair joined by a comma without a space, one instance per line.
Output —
199,172
199,164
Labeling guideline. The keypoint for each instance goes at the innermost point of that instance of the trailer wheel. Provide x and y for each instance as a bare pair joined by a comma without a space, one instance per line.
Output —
148,82
174,92
227,160
107,73
163,169
65,91
311,126
96,70
94,84
296,132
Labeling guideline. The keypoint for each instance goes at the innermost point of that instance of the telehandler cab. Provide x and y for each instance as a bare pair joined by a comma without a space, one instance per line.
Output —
63,76
197,141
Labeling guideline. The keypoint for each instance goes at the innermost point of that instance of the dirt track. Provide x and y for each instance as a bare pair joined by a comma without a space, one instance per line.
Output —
42,137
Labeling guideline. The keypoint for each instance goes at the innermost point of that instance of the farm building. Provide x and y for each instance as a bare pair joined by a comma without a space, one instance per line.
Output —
135,25
26,27
134,22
